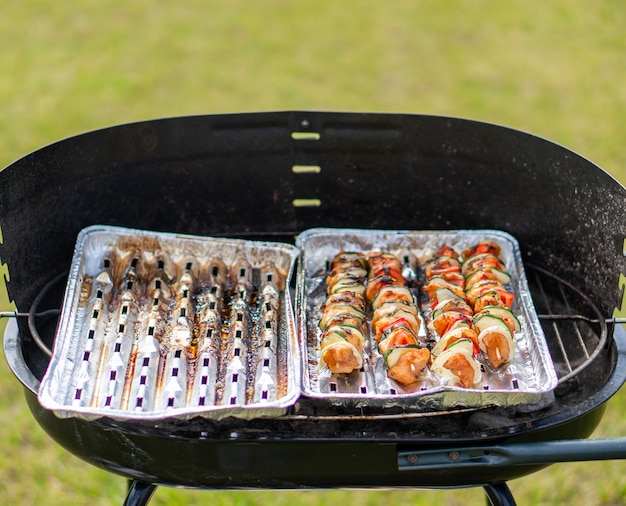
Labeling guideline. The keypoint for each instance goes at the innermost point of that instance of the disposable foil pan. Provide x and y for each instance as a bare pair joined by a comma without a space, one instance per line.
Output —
158,325
529,379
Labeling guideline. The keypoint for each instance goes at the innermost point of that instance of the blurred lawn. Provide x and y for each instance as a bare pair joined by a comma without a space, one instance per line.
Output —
556,69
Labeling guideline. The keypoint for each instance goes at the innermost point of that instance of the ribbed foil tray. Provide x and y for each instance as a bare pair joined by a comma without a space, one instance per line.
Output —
158,325
528,379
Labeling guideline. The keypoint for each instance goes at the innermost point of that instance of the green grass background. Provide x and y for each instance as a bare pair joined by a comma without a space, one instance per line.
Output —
553,68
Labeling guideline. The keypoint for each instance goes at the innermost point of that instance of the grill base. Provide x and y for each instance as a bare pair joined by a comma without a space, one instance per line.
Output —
307,454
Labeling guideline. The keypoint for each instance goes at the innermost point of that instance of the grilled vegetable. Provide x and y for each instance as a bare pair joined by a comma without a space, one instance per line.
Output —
389,313
494,320
343,318
395,320
457,365
392,294
495,338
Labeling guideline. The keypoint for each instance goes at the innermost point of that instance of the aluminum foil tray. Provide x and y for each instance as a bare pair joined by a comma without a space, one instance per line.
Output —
158,325
528,379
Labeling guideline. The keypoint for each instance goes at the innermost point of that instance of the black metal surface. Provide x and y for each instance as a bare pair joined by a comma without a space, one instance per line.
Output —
319,454
477,458
233,175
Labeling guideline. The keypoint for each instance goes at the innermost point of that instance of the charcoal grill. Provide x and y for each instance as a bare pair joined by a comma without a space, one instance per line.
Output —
273,175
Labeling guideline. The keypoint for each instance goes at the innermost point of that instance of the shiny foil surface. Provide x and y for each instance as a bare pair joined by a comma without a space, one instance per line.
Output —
528,379
157,325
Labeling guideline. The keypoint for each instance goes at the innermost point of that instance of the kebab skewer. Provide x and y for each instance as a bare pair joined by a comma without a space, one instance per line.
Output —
452,319
485,276
481,312
395,320
343,320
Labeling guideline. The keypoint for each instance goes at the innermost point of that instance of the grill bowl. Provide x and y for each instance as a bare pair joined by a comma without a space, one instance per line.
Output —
272,175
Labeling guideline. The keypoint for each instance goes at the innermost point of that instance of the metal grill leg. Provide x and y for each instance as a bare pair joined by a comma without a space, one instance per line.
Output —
139,493
499,494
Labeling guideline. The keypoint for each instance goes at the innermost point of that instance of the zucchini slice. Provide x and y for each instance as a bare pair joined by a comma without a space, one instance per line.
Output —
504,313
485,320
393,355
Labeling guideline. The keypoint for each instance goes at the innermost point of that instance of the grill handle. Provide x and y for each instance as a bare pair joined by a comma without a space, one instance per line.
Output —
514,454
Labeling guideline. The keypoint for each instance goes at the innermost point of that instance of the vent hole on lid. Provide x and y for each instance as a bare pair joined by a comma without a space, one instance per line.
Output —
175,372
486,387
79,392
242,273
185,294
215,271
266,362
333,386
161,264
201,401
106,263
134,262
204,380
99,294
150,331
155,302
142,380
91,334
178,353
95,314
363,389
121,328
237,352
124,309
86,356
393,391
515,384
118,347
233,400
188,266
139,402
113,375
306,202
306,169
170,402
264,394
206,361
235,378
238,334
183,312
157,284
146,362
108,400
305,136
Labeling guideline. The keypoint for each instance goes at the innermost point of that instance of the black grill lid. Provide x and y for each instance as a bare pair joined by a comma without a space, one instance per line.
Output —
233,175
